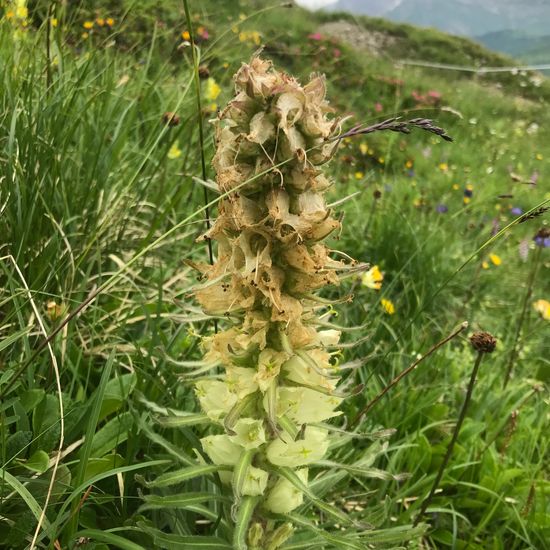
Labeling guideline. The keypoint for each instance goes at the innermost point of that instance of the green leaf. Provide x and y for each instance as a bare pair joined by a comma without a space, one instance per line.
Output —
184,419
177,453
291,476
87,449
109,538
183,542
179,476
97,466
116,393
242,521
26,496
113,433
37,462
338,540
80,488
30,399
241,471
8,341
182,501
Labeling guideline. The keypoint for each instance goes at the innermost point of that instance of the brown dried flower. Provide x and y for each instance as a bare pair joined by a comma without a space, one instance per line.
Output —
171,119
483,342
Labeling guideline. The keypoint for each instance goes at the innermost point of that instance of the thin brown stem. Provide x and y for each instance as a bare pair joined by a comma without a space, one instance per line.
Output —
514,351
201,130
456,432
48,46
400,376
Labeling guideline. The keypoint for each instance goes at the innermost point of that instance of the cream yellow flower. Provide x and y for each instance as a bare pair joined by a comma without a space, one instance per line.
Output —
373,278
215,398
255,481
249,433
284,497
543,307
221,449
285,451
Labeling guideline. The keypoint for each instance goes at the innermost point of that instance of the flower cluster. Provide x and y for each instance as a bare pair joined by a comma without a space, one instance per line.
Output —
17,13
279,377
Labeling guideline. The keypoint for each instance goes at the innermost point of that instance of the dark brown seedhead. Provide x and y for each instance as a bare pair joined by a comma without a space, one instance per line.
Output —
483,342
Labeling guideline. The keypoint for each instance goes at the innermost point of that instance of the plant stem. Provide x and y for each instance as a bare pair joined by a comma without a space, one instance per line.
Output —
201,130
401,375
456,431
527,297
48,46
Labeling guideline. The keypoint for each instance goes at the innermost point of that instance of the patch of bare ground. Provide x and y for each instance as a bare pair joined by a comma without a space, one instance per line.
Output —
356,36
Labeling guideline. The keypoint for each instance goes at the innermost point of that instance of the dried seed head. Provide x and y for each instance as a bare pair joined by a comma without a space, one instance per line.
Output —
377,194
483,342
171,119
204,72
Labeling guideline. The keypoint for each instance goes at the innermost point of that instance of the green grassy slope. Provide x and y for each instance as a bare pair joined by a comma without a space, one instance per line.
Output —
96,193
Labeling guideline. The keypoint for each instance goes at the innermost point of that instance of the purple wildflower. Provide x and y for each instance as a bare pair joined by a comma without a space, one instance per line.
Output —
442,208
516,211
542,238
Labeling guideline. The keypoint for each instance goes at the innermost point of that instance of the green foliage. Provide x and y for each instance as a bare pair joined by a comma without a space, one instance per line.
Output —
89,180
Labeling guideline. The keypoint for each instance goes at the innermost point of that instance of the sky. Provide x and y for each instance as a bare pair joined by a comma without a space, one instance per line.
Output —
314,4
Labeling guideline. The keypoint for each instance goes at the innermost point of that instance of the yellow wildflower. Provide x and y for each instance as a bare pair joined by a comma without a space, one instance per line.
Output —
485,265
443,166
466,200
88,25
373,278
186,35
100,21
359,175
495,259
542,307
538,156
381,160
363,147
10,14
387,306
456,187
54,21
250,36
212,90
174,152
110,21
85,35
409,164
22,12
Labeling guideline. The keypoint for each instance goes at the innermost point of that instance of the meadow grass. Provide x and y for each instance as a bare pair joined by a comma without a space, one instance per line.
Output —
97,193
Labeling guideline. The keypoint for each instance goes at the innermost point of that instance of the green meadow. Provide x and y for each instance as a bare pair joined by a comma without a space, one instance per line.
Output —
103,196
